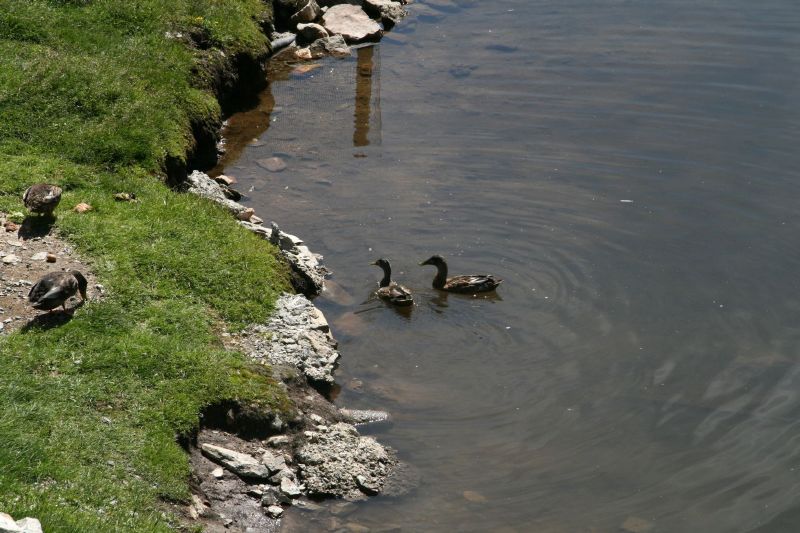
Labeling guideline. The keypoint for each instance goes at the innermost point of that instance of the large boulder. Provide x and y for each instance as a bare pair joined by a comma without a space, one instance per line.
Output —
241,464
351,22
387,11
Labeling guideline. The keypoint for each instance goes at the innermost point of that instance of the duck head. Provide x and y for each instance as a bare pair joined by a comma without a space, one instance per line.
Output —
435,260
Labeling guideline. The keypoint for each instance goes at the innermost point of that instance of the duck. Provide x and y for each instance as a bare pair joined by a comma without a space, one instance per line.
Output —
390,291
42,198
469,284
55,288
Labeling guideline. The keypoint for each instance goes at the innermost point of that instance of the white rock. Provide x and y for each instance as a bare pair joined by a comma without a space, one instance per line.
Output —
290,488
41,256
7,524
30,525
10,259
241,464
274,511
218,472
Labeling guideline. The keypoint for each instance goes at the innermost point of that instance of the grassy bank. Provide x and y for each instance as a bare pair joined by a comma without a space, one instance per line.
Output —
95,95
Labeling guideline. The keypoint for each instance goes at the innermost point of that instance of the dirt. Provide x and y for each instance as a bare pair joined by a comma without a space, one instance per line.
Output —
23,260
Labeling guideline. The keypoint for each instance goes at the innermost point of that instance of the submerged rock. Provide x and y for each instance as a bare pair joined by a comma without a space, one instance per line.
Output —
351,22
340,462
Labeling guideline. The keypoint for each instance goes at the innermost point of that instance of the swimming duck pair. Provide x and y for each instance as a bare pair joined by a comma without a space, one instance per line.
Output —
394,293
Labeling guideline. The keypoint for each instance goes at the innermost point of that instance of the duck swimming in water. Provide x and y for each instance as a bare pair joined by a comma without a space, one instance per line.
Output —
42,198
55,288
389,290
469,284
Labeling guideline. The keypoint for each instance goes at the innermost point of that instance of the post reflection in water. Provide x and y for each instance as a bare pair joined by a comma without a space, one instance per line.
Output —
323,99
364,70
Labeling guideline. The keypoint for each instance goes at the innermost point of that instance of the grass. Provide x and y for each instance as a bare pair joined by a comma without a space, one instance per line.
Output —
94,96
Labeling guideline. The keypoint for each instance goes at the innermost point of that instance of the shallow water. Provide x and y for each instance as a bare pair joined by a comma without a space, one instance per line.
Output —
631,170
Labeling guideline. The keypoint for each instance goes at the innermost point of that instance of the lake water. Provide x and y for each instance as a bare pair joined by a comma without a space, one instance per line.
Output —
630,169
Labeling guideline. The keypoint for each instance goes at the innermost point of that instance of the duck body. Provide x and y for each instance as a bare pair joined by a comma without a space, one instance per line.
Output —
464,284
390,291
55,288
42,198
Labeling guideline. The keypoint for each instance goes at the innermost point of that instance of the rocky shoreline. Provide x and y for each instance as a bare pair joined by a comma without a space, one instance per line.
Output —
247,467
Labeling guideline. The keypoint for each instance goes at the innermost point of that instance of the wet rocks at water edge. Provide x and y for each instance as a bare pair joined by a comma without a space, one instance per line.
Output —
351,22
387,11
337,461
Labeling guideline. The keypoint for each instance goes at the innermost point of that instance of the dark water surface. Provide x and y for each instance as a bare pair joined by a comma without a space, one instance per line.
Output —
631,169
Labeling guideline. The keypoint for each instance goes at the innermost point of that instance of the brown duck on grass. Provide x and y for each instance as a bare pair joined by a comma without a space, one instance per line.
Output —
389,290
469,284
55,288
42,198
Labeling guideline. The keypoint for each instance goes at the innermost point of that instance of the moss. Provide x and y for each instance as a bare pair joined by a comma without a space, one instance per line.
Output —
95,95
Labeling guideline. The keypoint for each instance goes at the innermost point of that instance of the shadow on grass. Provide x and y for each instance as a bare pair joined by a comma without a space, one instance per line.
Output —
51,319
36,226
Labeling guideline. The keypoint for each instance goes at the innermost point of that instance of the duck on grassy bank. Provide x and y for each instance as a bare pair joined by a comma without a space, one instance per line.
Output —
468,284
55,288
42,198
389,290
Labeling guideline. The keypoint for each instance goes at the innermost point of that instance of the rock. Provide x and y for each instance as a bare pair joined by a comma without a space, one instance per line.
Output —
350,22
342,463
278,440
474,497
354,527
51,258
342,508
293,341
281,40
290,488
10,259
256,220
82,208
241,464
388,11
273,462
273,164
125,197
40,256
270,497
309,275
311,32
25,525
7,524
364,416
334,46
222,179
10,226
634,524
218,473
303,54
247,214
200,184
308,13
301,70
275,511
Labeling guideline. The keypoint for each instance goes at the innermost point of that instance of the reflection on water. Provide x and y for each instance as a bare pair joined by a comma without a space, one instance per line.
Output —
630,170
363,96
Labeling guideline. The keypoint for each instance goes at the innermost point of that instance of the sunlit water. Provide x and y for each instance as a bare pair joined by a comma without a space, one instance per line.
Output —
631,169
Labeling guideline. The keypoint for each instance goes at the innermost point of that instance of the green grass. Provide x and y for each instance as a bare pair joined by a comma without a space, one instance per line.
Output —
94,96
